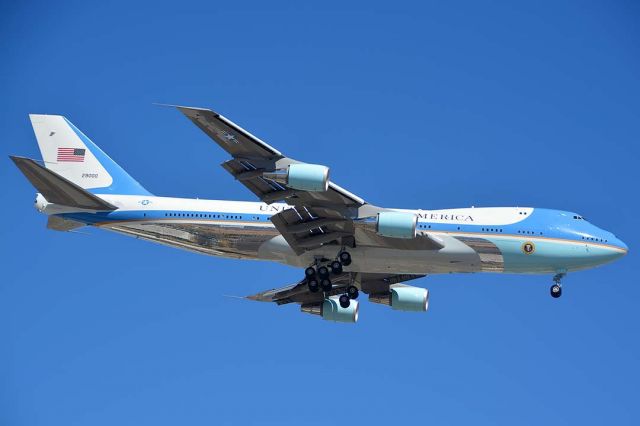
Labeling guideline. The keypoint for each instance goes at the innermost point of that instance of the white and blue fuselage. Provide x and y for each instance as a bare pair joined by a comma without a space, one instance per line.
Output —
496,239
344,244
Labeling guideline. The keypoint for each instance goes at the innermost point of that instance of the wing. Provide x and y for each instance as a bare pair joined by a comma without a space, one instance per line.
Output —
299,292
315,217
252,157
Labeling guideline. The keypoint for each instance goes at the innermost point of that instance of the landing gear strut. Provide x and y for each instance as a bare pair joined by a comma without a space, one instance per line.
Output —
556,288
318,277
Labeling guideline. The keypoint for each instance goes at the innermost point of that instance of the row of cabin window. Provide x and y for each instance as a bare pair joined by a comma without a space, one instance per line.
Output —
207,215
595,239
488,230
528,232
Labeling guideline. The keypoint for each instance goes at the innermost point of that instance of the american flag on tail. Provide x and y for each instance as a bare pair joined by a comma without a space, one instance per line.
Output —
71,155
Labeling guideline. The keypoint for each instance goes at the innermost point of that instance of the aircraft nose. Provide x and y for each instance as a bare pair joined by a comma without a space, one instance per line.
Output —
621,245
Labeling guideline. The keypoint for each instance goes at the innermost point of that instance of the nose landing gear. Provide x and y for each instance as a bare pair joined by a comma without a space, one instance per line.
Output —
556,288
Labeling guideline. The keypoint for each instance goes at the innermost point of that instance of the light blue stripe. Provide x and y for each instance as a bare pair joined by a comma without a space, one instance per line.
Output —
122,183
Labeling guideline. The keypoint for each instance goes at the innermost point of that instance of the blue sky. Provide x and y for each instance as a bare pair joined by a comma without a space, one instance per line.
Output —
426,104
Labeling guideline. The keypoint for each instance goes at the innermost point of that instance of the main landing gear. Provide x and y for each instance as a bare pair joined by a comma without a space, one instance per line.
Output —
556,288
319,277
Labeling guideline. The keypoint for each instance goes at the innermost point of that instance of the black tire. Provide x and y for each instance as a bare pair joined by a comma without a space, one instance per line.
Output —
310,272
556,291
345,258
323,272
325,283
352,292
336,267
344,301
313,285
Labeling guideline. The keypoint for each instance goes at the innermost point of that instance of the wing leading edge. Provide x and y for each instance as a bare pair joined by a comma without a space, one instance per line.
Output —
315,218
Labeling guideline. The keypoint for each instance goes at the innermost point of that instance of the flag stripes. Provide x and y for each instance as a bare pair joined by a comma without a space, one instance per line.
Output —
71,155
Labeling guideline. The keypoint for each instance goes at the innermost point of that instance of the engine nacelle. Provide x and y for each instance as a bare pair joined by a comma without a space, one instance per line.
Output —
305,177
41,203
397,224
331,310
403,298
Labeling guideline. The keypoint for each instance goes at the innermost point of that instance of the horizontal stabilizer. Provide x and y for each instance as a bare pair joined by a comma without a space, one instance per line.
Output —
57,189
58,223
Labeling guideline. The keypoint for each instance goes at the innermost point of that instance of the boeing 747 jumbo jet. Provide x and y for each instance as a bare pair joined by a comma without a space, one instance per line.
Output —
344,244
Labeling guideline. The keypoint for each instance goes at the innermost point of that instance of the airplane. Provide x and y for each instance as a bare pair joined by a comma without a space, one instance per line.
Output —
344,244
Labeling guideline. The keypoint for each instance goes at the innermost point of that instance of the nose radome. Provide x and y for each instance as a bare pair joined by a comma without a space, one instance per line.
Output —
622,245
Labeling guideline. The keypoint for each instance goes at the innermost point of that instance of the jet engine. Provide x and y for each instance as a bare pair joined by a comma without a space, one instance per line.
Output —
305,177
403,298
331,310
41,203
397,224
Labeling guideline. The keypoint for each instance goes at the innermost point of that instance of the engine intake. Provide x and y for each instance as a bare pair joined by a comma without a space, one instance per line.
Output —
404,298
331,310
397,224
305,177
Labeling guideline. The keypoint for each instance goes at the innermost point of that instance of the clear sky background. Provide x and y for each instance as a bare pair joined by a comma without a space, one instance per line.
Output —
423,105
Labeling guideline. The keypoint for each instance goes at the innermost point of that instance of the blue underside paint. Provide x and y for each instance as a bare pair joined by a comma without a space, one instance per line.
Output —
122,183
551,255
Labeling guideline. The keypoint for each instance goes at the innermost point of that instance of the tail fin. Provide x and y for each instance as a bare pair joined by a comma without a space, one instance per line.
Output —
69,153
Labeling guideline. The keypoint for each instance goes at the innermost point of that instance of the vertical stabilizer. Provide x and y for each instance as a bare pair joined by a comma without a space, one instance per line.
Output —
69,153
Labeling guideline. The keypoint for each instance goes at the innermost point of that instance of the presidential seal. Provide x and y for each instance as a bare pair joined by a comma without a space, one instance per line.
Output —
528,247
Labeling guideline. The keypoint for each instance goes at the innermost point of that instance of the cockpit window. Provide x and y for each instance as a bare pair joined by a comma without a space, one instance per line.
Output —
578,218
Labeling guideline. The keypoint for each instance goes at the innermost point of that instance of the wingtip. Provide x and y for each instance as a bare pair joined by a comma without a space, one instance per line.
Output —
181,107
18,159
233,296
165,105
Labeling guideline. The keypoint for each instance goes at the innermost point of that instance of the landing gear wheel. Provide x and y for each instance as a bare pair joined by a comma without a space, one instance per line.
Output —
313,285
344,301
310,272
336,267
323,272
556,291
345,258
352,292
325,283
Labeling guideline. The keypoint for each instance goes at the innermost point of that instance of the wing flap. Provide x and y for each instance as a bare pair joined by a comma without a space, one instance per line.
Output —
309,228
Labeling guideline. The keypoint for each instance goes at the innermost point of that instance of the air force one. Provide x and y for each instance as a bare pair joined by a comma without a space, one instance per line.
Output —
344,244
